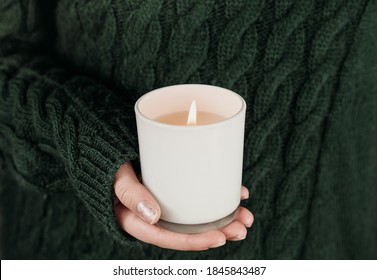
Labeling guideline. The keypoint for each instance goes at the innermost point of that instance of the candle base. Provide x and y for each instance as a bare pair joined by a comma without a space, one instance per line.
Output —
197,228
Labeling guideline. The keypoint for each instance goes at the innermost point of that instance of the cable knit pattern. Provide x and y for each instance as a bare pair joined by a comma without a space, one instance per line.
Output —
188,42
49,121
138,74
300,65
237,44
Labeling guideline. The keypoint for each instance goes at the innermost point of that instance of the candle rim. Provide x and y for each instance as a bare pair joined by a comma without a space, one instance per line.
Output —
192,127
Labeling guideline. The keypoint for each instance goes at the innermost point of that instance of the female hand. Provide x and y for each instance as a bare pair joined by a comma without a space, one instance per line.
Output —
138,212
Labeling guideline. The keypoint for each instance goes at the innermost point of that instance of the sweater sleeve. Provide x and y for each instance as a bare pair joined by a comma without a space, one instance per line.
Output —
63,132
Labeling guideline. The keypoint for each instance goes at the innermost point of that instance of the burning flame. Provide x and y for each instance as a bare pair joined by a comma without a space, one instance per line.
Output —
191,120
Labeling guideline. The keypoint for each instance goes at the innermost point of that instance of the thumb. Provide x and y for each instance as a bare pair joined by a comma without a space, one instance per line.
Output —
136,197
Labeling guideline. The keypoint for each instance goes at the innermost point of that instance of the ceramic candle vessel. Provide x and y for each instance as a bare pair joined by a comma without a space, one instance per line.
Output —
193,171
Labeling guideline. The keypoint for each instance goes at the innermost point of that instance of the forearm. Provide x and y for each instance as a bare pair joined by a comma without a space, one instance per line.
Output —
56,127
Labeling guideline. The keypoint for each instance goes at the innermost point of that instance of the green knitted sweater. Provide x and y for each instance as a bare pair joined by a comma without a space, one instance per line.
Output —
71,71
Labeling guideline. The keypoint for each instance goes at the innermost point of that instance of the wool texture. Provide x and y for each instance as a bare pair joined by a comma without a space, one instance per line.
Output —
71,71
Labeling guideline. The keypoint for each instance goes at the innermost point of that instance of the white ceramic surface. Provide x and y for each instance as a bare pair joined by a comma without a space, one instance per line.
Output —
194,172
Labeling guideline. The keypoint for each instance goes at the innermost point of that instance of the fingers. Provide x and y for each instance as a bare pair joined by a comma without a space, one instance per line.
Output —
236,230
244,193
137,212
153,234
245,217
132,194
167,239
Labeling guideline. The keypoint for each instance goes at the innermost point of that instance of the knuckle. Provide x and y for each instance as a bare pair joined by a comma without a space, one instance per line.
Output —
125,197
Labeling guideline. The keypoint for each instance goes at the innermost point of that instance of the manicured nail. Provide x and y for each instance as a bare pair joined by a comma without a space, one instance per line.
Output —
249,223
238,237
218,244
146,211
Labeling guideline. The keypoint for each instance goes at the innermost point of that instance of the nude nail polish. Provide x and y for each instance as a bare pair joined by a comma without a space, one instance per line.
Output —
218,244
146,211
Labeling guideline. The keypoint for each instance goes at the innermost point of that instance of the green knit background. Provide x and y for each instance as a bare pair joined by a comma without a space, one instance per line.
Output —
307,70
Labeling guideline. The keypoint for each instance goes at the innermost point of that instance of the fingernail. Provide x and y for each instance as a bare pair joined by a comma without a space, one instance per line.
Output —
238,237
249,223
218,244
146,211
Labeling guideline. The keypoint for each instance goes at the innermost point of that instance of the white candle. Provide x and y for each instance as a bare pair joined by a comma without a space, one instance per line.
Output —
191,117
193,170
